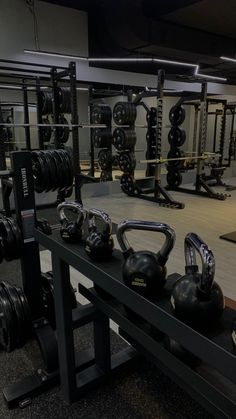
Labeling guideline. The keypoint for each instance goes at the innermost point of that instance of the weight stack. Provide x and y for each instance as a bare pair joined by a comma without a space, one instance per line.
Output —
124,140
176,139
102,139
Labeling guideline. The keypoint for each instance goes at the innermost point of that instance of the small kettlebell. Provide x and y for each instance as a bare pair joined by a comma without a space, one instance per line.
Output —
145,271
99,245
71,231
196,298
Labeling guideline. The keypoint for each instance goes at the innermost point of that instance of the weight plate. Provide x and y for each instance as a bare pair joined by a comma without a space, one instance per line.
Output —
151,135
7,239
174,178
124,113
127,183
105,159
19,314
101,137
64,180
63,132
176,137
123,138
151,116
46,100
38,172
175,154
101,114
17,237
46,131
105,176
127,161
54,168
64,99
7,323
47,171
68,165
177,115
26,311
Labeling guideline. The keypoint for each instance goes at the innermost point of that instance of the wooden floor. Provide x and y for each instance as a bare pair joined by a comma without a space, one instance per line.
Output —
207,217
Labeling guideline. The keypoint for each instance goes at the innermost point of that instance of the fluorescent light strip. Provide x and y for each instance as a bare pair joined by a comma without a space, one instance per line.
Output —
82,88
120,59
233,60
55,54
159,60
6,86
138,59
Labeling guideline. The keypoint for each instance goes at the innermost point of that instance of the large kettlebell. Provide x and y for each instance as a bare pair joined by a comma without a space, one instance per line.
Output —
145,271
71,230
99,245
196,298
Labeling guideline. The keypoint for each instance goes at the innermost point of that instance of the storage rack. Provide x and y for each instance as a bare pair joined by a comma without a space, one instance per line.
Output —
212,382
201,187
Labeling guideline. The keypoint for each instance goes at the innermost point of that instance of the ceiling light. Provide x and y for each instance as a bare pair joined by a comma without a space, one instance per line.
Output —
6,86
160,60
55,54
233,60
120,59
82,88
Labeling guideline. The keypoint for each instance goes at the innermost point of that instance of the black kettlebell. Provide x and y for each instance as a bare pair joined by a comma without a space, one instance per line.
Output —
196,298
99,245
145,271
71,230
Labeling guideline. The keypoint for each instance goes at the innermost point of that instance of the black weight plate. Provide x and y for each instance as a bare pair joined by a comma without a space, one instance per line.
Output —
151,135
175,154
63,132
47,130
151,116
105,159
46,99
1,249
7,239
47,171
127,161
62,167
37,172
55,166
101,137
123,138
177,115
26,311
105,176
52,173
17,307
101,114
124,113
127,183
64,99
176,137
174,178
68,166
17,237
7,323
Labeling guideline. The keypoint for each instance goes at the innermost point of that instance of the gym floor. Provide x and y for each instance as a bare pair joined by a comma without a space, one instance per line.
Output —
141,392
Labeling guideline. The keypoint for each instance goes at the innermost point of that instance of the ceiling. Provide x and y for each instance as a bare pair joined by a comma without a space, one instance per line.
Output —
195,31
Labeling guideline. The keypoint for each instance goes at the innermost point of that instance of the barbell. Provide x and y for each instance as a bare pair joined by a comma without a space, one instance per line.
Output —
204,156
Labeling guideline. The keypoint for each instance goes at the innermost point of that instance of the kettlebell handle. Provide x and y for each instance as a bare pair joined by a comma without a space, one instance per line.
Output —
71,205
169,233
94,213
192,244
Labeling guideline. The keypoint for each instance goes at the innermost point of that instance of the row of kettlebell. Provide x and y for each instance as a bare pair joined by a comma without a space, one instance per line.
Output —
196,298
98,245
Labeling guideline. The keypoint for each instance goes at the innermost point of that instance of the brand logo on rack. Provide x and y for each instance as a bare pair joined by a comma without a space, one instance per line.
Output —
24,180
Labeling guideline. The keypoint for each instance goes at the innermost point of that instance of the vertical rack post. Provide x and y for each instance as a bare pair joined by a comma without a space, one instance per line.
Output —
23,188
75,130
202,133
222,135
39,113
92,169
130,99
56,109
160,94
195,128
26,115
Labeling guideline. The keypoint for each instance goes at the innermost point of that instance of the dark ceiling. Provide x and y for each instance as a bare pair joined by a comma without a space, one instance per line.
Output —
194,31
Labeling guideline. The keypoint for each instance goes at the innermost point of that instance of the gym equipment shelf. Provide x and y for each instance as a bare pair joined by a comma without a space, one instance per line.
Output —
212,382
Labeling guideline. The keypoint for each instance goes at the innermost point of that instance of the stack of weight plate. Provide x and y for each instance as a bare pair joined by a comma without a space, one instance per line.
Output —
102,138
151,137
124,140
176,138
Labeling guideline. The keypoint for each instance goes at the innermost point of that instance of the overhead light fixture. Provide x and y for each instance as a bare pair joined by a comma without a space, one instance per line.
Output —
6,86
233,60
160,60
55,54
205,76
82,88
114,59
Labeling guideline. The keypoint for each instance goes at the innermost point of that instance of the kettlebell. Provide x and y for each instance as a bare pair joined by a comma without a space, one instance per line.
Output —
99,245
71,231
196,298
145,271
